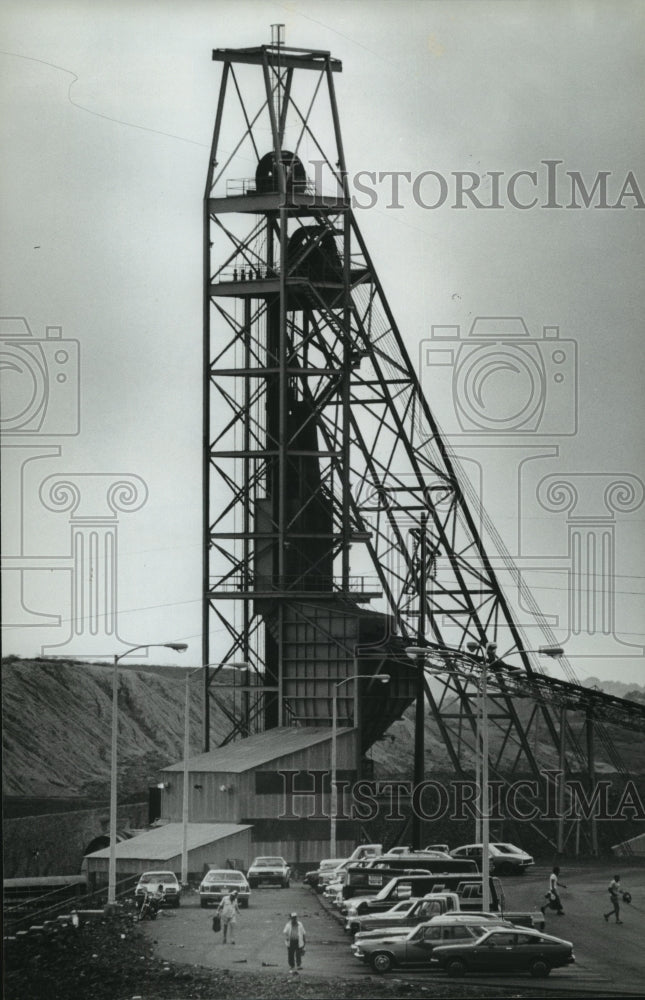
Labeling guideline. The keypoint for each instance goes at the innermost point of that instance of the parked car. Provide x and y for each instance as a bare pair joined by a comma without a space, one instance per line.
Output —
404,914
149,881
416,948
327,864
504,950
504,859
275,871
489,919
218,882
438,847
340,872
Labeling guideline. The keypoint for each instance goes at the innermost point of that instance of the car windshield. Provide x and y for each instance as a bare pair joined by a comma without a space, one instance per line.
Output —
224,876
267,862
157,877
507,848
405,905
385,891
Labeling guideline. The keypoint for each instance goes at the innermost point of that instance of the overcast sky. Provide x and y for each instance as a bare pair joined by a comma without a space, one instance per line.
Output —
107,117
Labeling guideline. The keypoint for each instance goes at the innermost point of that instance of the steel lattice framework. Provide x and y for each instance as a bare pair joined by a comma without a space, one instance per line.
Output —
327,483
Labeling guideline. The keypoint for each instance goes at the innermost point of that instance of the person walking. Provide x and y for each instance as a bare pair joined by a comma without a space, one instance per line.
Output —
614,891
228,910
294,938
553,896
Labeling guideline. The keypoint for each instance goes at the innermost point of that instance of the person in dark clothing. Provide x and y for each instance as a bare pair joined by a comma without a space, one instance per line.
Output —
614,894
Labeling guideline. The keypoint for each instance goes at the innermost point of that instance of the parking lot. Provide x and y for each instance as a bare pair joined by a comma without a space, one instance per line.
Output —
609,958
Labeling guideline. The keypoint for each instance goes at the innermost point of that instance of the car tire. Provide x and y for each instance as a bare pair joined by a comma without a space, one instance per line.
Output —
381,962
539,968
252,885
362,908
507,869
456,968
354,928
285,883
203,903
176,904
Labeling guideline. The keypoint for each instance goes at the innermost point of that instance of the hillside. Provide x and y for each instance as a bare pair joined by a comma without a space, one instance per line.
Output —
57,728
57,718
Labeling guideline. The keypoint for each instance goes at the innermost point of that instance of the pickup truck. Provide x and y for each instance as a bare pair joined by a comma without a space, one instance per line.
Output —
363,854
467,886
404,914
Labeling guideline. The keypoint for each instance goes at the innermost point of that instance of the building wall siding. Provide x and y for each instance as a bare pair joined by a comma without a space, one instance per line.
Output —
225,797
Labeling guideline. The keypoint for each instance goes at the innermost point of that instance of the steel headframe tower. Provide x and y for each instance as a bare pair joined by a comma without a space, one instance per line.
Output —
319,446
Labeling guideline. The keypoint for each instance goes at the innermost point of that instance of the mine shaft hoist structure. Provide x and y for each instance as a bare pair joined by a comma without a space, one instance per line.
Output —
327,484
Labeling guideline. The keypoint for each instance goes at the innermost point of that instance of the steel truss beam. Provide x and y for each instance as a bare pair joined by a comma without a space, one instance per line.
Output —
319,446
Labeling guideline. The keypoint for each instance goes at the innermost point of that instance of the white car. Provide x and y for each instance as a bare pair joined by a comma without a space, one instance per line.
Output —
273,870
504,859
219,882
149,882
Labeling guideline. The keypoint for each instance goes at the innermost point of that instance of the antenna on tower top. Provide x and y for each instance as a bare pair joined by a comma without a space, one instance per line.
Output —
277,34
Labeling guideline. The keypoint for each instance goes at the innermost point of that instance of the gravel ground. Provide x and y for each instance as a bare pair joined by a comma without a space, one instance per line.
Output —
111,959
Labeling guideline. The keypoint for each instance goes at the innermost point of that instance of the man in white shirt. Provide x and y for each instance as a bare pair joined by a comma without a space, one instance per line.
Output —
553,896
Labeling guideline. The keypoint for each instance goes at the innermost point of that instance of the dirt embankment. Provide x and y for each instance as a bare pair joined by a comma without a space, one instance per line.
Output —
57,718
57,731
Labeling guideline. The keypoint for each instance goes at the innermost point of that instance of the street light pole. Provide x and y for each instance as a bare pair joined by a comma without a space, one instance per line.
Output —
179,647
184,807
488,660
478,761
488,657
384,679
419,713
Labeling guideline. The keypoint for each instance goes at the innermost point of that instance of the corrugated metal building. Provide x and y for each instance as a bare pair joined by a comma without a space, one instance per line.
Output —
216,844
289,811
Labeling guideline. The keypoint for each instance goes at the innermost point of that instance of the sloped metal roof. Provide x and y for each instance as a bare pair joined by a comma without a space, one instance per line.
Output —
165,842
263,748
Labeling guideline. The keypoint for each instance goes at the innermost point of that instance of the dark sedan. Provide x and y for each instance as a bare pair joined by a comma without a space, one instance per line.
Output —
502,950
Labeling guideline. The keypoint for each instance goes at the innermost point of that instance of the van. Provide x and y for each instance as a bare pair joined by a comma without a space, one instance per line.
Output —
372,875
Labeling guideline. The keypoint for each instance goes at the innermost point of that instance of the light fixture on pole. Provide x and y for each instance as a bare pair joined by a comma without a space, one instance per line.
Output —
384,679
179,647
488,660
185,800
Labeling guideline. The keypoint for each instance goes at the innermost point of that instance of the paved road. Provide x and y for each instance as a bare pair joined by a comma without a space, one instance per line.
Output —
185,934
609,958
604,952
